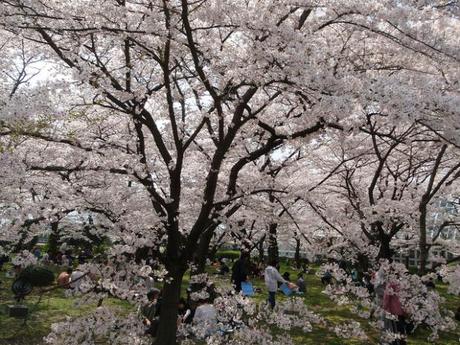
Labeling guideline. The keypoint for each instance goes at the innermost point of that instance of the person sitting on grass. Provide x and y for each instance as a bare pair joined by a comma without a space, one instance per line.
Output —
224,269
287,276
63,278
205,319
301,283
150,313
185,313
76,279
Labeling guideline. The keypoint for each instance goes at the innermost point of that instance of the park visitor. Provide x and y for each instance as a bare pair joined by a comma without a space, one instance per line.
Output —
205,318
287,276
392,305
150,312
75,279
301,283
326,279
272,277
240,271
63,278
184,311
223,269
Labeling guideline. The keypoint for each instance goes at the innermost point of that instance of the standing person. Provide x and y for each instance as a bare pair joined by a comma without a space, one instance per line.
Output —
392,305
240,271
272,277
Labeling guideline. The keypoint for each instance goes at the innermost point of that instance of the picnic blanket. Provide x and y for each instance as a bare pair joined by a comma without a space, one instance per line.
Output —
247,289
286,290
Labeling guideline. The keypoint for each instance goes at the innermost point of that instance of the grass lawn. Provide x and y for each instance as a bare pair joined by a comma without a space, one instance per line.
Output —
334,315
55,306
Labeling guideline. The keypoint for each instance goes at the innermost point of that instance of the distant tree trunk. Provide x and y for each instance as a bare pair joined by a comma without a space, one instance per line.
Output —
53,239
273,252
406,261
423,247
297,257
261,250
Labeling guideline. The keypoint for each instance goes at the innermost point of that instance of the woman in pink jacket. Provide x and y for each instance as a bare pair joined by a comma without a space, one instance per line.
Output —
392,305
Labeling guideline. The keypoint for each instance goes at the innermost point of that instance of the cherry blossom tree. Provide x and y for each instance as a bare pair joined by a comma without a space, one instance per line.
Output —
158,110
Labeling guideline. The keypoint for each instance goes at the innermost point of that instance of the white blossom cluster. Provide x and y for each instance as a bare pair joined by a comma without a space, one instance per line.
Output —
422,305
451,275
24,259
101,325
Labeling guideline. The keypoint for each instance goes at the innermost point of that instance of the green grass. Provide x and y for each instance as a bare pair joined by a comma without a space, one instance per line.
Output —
335,315
55,306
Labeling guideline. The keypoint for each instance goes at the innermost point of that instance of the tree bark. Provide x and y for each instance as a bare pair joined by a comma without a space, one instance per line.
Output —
297,253
273,253
53,239
385,251
423,247
260,248
202,252
167,328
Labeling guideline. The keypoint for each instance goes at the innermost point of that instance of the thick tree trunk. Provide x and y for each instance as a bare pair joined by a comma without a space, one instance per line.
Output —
273,253
167,328
363,262
202,252
385,251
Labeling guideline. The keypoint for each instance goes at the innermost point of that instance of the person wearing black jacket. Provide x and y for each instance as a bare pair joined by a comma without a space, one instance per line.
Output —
240,271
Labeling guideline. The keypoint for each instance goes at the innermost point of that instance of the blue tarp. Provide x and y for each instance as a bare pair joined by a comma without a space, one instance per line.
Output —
247,288
286,290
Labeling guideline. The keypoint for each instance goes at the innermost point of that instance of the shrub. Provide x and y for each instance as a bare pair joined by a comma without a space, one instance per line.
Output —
228,254
37,276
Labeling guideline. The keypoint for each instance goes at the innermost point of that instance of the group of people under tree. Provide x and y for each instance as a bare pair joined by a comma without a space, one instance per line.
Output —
199,312
383,286
242,269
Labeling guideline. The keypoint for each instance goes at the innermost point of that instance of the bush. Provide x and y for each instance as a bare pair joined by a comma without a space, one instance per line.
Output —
228,254
37,276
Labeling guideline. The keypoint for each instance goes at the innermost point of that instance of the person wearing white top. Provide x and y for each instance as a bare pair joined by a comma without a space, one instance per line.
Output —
272,277
205,319
75,279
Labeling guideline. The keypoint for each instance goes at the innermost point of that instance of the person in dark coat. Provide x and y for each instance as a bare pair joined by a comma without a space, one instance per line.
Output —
240,271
